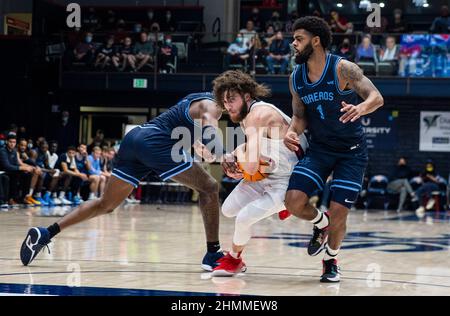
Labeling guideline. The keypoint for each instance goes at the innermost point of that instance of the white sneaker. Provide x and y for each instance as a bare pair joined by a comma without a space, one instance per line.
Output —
129,201
430,204
56,201
64,201
420,212
134,201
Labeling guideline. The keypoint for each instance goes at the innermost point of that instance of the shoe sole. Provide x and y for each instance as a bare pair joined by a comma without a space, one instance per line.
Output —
37,234
224,273
206,267
321,248
330,280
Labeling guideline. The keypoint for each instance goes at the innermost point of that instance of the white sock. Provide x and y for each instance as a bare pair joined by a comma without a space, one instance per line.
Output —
54,195
62,194
321,220
91,195
330,253
235,255
31,192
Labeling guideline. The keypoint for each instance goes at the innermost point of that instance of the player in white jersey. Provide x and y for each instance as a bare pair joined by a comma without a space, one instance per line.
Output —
261,193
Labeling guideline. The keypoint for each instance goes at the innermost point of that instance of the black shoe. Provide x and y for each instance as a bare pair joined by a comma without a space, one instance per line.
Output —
331,272
318,241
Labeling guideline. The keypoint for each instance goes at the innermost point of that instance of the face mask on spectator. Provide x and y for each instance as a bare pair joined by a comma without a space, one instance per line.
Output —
30,146
239,40
168,42
65,119
88,39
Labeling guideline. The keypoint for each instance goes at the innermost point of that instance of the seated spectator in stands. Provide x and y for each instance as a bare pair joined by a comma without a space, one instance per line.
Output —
346,50
168,24
121,33
338,24
110,21
121,57
20,174
84,167
366,50
430,184
399,24
236,52
4,190
96,170
143,52
384,24
136,33
399,182
275,21
248,33
107,161
70,175
50,176
167,55
269,35
74,36
155,35
441,24
98,141
92,22
84,51
257,53
391,52
289,24
149,20
256,19
279,53
105,54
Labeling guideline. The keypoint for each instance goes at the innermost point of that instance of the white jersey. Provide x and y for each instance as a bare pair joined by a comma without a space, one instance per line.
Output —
284,160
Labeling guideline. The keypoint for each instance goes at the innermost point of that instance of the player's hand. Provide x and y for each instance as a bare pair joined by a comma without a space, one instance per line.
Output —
202,151
292,141
352,113
230,167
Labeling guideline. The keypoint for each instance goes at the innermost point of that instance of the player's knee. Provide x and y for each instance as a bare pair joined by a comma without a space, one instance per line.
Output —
210,187
295,206
104,206
243,220
228,209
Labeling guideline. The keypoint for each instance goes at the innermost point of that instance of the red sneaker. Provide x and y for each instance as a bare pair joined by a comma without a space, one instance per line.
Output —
229,266
284,214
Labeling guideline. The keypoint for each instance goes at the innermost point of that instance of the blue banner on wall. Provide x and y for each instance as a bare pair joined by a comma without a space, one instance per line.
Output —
380,128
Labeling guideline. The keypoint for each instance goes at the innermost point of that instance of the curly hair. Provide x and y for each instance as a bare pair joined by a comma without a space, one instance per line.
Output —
317,27
237,81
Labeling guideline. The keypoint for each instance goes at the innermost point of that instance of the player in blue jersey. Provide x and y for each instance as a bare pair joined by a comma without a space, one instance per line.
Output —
150,147
325,90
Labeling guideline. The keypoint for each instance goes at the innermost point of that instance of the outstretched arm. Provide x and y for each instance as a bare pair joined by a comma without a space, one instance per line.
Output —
298,122
354,78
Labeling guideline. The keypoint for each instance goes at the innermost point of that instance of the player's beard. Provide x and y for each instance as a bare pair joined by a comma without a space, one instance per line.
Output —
303,56
242,113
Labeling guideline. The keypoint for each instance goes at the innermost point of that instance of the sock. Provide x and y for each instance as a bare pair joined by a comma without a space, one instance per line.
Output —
31,192
213,246
53,230
54,195
91,195
235,255
62,194
330,253
321,220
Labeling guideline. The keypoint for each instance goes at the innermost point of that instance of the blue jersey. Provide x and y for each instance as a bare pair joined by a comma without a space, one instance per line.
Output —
178,115
323,104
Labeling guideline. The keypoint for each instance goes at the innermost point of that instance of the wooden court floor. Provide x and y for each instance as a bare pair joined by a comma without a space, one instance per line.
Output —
157,250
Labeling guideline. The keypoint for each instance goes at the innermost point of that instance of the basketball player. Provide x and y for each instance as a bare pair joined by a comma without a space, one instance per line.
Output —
264,126
148,148
325,90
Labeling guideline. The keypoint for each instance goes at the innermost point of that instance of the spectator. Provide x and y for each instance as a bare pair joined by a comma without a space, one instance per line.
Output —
256,19
167,55
399,24
430,184
70,175
22,149
46,160
142,53
279,53
366,50
155,35
275,21
99,140
84,167
84,51
257,53
391,52
121,32
20,174
4,190
384,24
338,24
122,55
248,33
107,161
269,35
13,130
169,24
110,21
96,169
149,20
292,18
65,131
441,24
236,52
105,54
346,50
400,183
137,30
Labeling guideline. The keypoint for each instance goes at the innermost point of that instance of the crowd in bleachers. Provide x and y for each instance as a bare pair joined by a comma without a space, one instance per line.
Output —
261,46
37,173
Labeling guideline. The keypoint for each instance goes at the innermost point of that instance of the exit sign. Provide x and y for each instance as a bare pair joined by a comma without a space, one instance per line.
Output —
140,83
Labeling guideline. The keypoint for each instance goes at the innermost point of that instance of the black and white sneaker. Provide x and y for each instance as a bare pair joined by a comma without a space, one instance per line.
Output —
36,239
318,241
331,271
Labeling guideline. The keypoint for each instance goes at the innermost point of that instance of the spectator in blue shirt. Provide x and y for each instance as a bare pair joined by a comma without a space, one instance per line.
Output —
237,51
366,50
441,24
96,168
279,53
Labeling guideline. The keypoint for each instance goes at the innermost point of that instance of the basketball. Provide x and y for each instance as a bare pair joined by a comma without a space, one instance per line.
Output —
258,176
